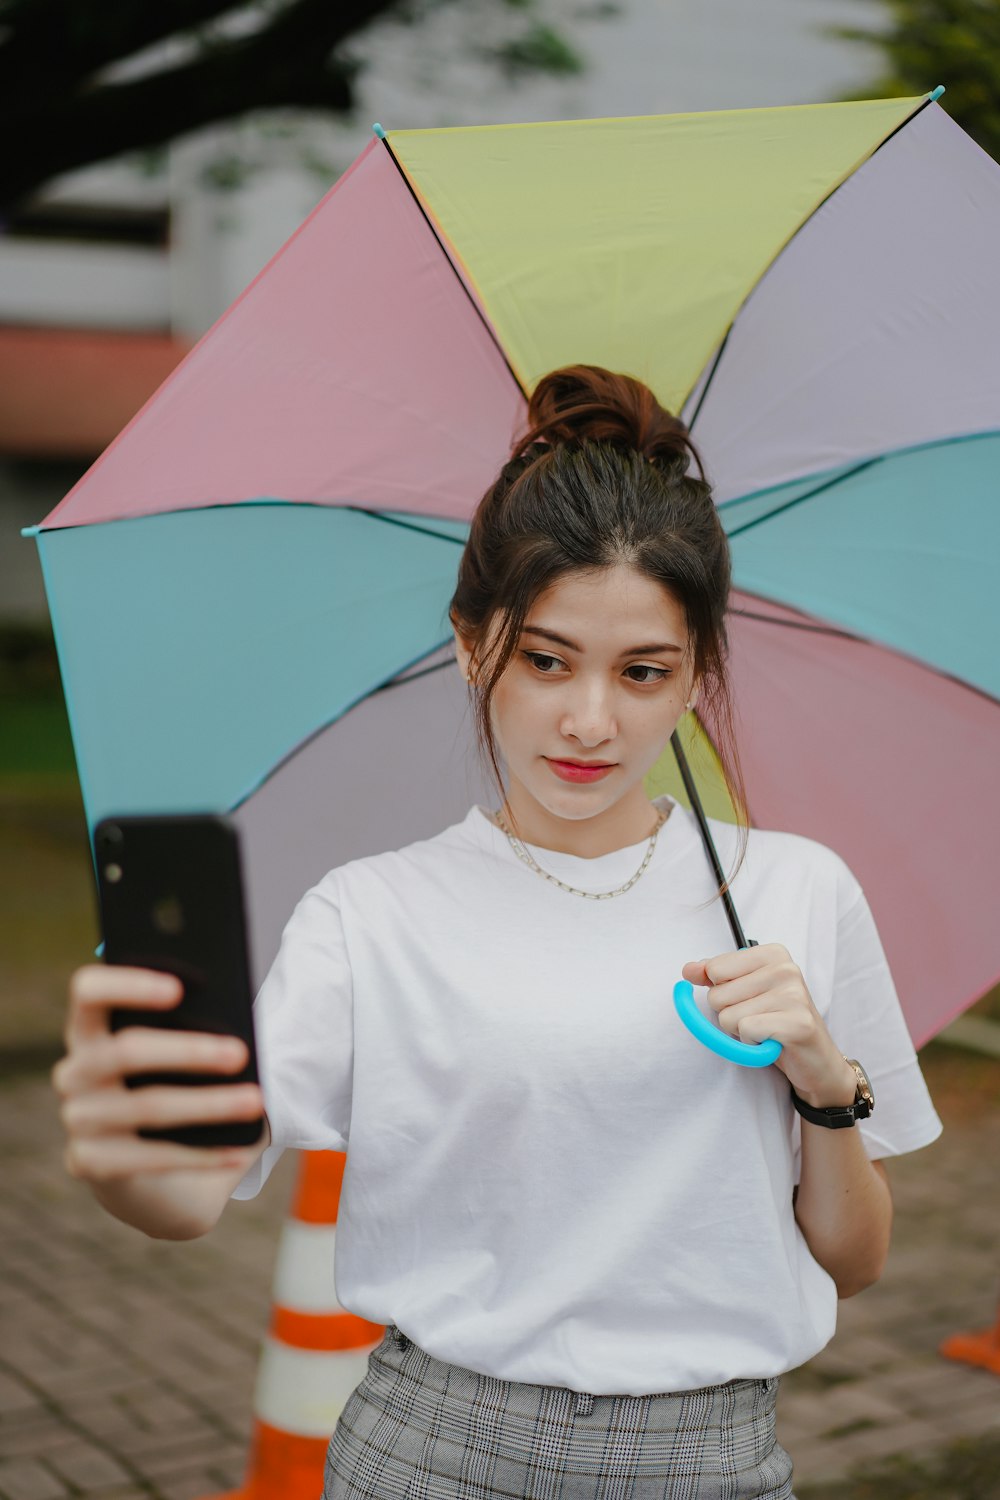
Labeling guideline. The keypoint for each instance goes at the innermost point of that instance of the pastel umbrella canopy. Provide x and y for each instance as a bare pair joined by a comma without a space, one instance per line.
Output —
249,589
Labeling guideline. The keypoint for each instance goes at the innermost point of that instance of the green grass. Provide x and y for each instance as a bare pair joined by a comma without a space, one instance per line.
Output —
34,735
48,910
34,729
48,917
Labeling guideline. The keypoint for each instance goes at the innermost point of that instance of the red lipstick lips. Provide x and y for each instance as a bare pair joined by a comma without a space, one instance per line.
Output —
568,770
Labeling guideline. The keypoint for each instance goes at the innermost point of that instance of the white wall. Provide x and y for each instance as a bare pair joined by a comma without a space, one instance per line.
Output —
62,285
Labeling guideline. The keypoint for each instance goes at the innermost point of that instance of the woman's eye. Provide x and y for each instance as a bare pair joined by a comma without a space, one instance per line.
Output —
659,673
539,658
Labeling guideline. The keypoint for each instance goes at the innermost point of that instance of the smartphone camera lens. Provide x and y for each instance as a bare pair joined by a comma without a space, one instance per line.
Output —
110,839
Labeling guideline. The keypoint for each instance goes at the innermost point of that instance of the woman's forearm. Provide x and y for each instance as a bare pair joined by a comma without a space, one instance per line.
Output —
843,1206
170,1206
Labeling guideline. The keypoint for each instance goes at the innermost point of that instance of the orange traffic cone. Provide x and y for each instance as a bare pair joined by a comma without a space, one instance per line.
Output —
314,1353
981,1348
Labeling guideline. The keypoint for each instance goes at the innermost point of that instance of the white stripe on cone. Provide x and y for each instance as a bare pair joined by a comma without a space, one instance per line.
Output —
303,1391
303,1272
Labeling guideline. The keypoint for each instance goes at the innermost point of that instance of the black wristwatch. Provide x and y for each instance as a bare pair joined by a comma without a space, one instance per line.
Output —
842,1115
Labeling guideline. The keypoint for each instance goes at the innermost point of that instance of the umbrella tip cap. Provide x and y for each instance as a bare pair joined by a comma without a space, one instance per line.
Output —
935,94
30,531
377,128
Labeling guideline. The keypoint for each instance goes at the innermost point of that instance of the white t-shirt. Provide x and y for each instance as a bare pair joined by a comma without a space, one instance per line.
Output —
549,1179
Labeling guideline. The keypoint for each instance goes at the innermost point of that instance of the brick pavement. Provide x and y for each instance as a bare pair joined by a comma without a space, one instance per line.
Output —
127,1365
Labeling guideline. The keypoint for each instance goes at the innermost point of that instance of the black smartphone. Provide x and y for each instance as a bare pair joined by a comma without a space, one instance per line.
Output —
171,896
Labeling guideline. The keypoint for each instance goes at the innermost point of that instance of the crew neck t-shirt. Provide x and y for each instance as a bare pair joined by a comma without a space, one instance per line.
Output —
548,1178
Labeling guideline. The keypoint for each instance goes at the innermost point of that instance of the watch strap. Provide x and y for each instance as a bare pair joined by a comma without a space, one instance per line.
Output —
841,1116
838,1117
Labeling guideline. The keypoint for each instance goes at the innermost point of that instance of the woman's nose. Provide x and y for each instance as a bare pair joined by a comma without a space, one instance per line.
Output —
589,715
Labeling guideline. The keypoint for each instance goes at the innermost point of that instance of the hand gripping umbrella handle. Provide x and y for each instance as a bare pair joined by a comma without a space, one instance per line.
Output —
748,1054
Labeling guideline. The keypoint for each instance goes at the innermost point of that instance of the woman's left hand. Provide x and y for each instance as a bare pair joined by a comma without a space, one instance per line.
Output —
760,993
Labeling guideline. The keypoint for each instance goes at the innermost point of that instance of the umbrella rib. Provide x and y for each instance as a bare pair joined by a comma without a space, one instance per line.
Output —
866,640
395,681
828,484
711,376
845,635
442,247
903,124
378,515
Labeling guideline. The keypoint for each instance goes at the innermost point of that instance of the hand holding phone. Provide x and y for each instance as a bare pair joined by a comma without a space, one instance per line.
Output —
110,1128
171,900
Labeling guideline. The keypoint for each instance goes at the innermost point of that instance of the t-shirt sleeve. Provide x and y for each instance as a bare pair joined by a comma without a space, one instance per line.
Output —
866,1021
304,1033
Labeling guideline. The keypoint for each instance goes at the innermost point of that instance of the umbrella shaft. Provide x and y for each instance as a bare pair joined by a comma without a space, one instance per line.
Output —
706,838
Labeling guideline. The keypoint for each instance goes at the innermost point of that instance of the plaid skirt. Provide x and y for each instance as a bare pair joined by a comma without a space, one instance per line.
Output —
417,1428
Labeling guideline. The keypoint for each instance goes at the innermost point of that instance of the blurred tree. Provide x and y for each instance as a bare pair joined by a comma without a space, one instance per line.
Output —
954,42
85,80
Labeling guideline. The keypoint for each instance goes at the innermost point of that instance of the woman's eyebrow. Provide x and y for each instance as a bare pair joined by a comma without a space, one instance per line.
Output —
561,640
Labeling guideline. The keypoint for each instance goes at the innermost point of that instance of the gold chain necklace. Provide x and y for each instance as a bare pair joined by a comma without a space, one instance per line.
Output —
522,854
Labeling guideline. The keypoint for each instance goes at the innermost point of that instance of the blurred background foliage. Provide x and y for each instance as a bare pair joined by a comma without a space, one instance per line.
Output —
82,81
927,42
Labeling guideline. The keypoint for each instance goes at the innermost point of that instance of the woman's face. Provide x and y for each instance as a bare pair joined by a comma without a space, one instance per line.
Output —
599,678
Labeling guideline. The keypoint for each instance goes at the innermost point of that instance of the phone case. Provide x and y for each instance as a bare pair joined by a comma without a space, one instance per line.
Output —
171,898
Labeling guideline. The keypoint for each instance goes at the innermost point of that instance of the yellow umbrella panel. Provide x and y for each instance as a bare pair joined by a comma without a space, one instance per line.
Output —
632,243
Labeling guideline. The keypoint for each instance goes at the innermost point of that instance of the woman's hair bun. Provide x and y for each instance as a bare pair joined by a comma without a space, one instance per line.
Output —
585,403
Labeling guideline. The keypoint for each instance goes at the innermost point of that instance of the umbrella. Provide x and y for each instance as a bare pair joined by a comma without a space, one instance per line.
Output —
249,588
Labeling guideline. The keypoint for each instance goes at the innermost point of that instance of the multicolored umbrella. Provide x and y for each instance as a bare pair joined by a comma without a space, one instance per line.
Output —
249,588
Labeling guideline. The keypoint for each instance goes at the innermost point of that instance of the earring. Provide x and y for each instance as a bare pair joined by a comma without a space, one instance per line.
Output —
687,705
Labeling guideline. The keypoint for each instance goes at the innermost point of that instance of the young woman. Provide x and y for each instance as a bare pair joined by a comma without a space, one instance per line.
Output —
595,1244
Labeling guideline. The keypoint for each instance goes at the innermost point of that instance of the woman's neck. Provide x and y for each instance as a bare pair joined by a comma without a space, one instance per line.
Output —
617,827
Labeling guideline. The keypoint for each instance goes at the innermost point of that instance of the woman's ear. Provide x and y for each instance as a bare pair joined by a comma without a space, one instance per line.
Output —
692,698
463,655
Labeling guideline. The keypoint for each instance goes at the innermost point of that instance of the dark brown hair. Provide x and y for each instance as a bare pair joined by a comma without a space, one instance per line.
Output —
599,479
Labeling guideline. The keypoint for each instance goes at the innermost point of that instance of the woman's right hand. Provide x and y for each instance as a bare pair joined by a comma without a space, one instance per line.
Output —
101,1115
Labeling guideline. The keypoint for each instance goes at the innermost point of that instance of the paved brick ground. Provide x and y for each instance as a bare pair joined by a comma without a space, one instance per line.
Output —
127,1365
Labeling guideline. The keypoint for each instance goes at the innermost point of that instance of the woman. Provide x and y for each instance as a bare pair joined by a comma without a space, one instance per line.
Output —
596,1245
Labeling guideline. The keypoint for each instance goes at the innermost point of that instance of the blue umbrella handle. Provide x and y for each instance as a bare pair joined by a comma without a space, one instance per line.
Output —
747,1054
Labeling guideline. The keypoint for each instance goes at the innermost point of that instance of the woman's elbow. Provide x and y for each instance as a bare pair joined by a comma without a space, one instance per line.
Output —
859,1280
862,1272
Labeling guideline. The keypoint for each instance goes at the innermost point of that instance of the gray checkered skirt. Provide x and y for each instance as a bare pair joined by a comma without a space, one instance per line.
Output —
418,1428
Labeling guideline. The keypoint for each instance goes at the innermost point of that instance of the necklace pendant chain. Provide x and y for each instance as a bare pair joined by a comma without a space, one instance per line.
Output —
526,858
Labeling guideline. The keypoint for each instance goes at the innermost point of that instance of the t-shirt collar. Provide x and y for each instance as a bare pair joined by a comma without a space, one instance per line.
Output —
600,873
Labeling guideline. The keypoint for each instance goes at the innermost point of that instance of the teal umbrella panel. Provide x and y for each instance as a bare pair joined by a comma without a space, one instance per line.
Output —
211,643
902,550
